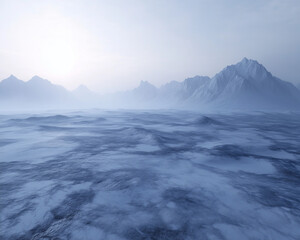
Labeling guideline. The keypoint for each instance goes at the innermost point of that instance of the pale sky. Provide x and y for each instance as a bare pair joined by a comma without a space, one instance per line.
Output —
113,45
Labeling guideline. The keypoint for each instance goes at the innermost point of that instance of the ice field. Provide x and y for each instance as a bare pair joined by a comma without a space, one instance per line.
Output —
150,175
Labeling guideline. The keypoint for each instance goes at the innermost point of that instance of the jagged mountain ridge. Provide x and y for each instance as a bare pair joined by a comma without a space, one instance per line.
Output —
246,85
35,93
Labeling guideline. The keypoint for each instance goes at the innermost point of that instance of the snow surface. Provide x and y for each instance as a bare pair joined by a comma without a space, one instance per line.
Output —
150,175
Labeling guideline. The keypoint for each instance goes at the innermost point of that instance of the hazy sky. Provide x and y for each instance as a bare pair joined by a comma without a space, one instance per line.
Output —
112,45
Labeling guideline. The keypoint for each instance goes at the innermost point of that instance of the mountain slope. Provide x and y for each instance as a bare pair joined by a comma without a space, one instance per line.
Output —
176,93
11,88
247,85
35,93
45,91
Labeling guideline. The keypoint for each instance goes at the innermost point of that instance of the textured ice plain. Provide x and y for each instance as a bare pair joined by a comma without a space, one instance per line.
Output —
150,175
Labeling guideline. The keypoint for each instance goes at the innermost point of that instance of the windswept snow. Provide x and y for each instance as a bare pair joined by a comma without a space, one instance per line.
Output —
150,175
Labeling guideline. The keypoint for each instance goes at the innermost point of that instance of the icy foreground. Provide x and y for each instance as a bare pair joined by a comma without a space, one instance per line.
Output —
150,175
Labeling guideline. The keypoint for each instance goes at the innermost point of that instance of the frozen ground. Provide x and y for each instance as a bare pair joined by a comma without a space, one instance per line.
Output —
150,175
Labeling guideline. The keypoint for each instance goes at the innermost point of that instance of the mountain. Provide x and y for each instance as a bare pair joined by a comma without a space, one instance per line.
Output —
144,92
81,91
177,93
139,97
247,85
84,97
43,90
35,93
11,87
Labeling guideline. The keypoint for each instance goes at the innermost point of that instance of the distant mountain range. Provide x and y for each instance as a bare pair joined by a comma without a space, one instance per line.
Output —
246,85
39,93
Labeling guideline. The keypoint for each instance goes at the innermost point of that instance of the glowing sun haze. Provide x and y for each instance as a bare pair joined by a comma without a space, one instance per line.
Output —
113,45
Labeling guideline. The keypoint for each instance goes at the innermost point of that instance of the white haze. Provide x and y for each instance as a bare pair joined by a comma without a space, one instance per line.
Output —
246,86
113,45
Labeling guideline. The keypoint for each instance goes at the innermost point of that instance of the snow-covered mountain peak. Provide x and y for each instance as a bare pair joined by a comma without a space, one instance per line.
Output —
82,90
144,91
12,82
196,81
145,84
82,87
11,78
38,80
249,68
246,63
246,85
190,85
